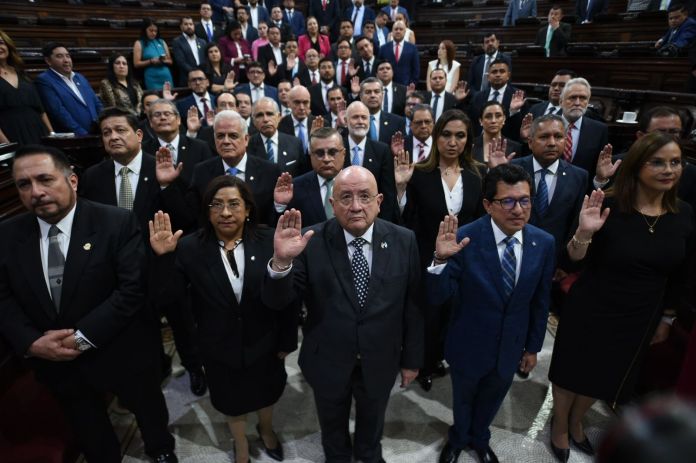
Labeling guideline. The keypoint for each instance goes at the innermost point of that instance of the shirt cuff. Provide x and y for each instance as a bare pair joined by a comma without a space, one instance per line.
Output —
276,275
79,334
436,269
599,185
280,208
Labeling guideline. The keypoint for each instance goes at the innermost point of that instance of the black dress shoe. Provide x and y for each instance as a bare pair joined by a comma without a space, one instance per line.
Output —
199,385
440,369
584,446
166,457
276,453
522,374
449,454
486,455
561,455
425,381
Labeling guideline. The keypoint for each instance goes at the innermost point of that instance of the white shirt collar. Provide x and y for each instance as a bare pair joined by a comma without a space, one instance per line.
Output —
297,121
500,235
174,142
427,143
134,165
241,165
577,124
501,90
552,168
352,144
274,138
367,236
64,224
70,78
198,99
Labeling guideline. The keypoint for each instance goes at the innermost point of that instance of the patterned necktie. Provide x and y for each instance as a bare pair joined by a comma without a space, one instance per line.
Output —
56,264
361,271
542,193
484,80
233,171
328,210
373,128
344,72
367,68
301,135
509,265
206,108
172,150
421,153
269,149
568,150
356,156
314,77
125,195
385,106
397,55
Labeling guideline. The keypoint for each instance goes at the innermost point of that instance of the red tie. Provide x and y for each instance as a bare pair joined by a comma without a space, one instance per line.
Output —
396,52
323,5
343,72
206,108
421,154
568,150
314,78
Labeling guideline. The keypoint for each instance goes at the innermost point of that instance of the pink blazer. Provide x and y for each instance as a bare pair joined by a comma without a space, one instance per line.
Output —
304,43
229,51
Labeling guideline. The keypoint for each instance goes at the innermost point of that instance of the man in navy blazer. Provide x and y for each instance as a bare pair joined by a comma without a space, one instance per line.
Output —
385,124
294,18
256,76
393,9
585,15
200,98
477,77
519,9
498,269
682,28
69,100
499,89
184,57
257,13
407,67
357,14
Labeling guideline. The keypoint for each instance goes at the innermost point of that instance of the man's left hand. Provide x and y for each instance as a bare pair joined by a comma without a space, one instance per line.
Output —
407,376
528,362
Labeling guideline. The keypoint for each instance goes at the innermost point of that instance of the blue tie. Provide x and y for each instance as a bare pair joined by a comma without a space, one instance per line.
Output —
269,149
509,265
356,156
385,107
209,32
542,194
233,171
301,135
373,129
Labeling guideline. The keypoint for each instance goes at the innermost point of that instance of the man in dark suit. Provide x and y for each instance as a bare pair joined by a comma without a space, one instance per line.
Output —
327,13
72,301
294,18
68,98
478,71
354,346
586,137
367,61
358,13
394,8
383,125
279,148
498,89
584,14
299,123
249,32
519,9
682,28
231,138
394,93
258,13
420,142
373,155
310,192
206,28
498,269
555,36
318,92
440,99
200,98
402,55
194,128
277,20
188,50
256,88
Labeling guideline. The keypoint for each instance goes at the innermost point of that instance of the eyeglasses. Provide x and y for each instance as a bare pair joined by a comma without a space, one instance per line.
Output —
363,198
219,206
332,153
509,203
661,166
167,114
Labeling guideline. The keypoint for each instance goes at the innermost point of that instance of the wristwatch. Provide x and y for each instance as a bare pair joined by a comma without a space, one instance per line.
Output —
82,344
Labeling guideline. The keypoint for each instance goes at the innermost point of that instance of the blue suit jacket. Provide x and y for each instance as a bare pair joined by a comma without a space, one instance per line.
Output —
684,35
268,90
262,14
65,110
408,68
184,104
399,9
485,332
596,7
368,15
514,11
297,24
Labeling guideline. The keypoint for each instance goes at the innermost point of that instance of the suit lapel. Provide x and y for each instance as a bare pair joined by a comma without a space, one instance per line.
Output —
30,264
315,200
338,256
529,260
380,260
561,185
82,241
253,268
145,179
251,173
216,270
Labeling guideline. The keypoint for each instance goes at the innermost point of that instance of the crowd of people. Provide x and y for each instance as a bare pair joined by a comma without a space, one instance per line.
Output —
304,179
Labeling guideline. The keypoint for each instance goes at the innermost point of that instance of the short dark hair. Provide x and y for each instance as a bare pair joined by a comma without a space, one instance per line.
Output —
500,61
439,70
232,26
334,88
47,49
117,111
196,68
215,185
181,20
509,174
345,21
255,64
490,103
417,94
545,118
326,59
423,107
383,61
677,7
60,160
657,111
360,38
341,40
486,35
566,72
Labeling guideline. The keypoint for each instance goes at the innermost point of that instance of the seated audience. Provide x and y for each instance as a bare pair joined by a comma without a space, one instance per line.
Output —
22,116
151,53
70,102
120,88
556,35
445,60
313,39
519,9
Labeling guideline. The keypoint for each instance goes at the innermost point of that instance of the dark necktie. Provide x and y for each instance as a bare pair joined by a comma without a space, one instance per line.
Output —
367,68
542,193
509,265
421,152
233,171
361,271
495,96
355,14
56,264
206,108
436,102
385,107
551,110
269,149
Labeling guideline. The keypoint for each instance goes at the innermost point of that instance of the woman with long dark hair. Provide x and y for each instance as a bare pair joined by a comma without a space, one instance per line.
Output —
633,248
151,53
120,88
220,74
313,39
492,121
445,60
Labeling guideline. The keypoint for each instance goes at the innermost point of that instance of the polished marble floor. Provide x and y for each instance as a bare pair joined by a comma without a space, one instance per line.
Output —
416,423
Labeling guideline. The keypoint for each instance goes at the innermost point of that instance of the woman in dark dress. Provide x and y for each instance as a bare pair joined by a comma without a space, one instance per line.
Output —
242,342
220,74
22,116
492,122
625,298
447,182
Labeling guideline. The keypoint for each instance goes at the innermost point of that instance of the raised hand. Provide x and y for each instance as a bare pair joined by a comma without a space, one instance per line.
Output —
193,122
605,168
352,68
496,153
526,126
397,143
167,92
446,242
462,90
410,89
272,68
288,240
164,167
162,240
403,169
296,82
282,193
517,101
592,217
229,83
317,124
210,117
341,116
355,85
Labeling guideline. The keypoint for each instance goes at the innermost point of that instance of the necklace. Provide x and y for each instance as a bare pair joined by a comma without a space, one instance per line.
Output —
651,226
448,170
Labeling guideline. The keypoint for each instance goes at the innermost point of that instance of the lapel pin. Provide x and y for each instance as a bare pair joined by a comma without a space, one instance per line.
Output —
383,245
386,122
563,173
285,153
533,243
183,147
253,258
370,159
251,178
87,246
144,179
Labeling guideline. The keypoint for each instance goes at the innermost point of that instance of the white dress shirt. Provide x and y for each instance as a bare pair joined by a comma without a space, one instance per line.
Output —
133,175
237,282
500,236
70,82
551,176
241,167
274,141
501,92
193,45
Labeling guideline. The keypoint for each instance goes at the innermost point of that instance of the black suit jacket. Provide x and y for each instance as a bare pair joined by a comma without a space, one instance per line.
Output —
476,108
389,124
306,197
477,148
317,100
184,202
387,334
286,125
378,160
563,210
201,33
476,69
596,7
593,137
236,334
398,95
102,294
190,151
184,59
449,100
290,151
98,184
559,39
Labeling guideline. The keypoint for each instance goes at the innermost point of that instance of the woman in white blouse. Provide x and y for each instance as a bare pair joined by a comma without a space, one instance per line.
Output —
445,60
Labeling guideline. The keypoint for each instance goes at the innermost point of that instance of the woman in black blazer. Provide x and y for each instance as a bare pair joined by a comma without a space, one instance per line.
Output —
447,182
243,343
492,121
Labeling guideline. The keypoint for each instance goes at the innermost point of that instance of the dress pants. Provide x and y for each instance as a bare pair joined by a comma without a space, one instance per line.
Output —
182,324
334,415
436,320
84,403
476,400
